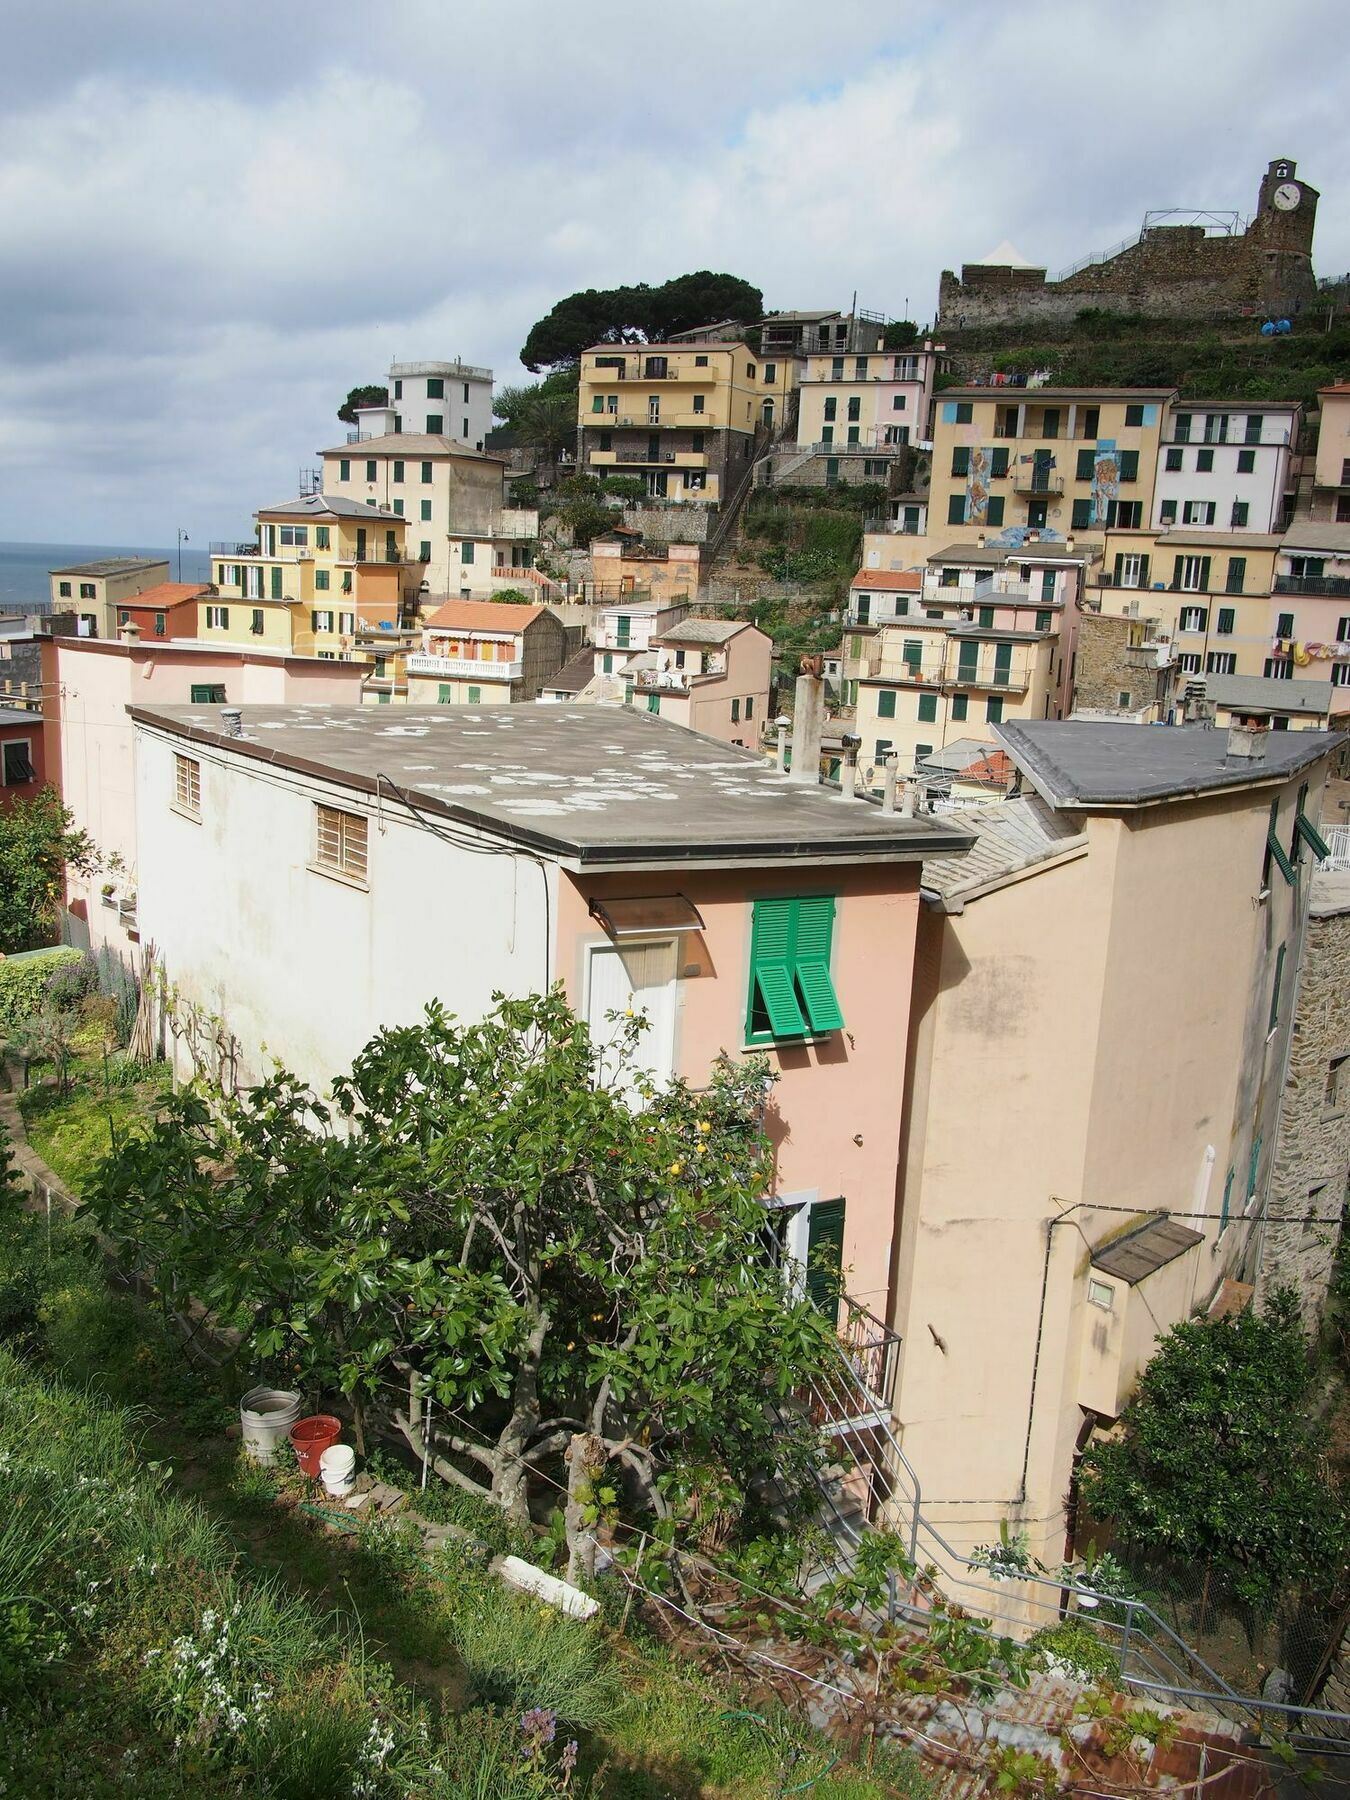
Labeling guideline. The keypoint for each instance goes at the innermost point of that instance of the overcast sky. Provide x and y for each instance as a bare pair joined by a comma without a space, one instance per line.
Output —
214,220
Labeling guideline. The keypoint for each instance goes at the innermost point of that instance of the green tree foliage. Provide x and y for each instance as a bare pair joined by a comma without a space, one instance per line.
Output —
900,334
630,314
1221,1460
485,1219
38,843
9,1180
362,396
542,416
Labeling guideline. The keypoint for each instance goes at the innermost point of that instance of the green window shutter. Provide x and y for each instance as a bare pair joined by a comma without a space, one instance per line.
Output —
398,471
961,460
927,708
1120,567
1129,465
1274,1018
1204,574
445,694
1227,1199
913,654
1312,837
774,1010
398,508
426,471
1082,515
998,464
956,509
320,581
1176,572
475,696
960,706
321,537
967,662
994,510
1275,849
1086,459
815,924
1227,619
993,709
886,704
344,470
1253,1168
825,1254
276,584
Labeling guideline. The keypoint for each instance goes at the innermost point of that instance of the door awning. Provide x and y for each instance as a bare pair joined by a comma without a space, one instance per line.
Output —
654,915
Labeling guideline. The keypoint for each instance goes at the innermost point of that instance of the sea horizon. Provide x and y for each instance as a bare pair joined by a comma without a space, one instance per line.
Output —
25,567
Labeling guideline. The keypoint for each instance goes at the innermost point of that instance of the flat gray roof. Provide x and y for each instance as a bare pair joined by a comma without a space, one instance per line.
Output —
1087,763
114,565
1269,695
594,786
1317,534
409,444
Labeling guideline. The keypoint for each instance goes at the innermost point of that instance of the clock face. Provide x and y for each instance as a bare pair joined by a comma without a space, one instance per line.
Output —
1287,196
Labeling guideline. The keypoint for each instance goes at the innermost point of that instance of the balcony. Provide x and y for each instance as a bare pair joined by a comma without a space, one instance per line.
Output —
668,421
463,668
219,547
372,553
1158,653
456,371
1339,585
1034,478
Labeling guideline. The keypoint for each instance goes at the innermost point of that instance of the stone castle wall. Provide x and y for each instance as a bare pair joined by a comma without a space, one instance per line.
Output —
1312,1151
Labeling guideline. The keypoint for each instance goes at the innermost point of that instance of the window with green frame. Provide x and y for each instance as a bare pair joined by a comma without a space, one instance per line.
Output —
886,703
927,708
993,510
445,694
791,992
1081,517
1306,831
276,583
426,511
1274,1018
825,1254
321,537
1254,1168
1275,850
475,696
208,693
426,471
320,581
993,709
398,469
466,553
960,702
654,703
344,469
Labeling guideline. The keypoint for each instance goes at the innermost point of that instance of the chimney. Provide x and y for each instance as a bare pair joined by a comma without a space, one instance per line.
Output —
1247,742
130,632
910,805
979,540
1068,542
782,725
892,769
231,722
808,728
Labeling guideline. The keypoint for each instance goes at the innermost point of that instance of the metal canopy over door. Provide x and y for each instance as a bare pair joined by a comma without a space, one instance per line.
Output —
640,976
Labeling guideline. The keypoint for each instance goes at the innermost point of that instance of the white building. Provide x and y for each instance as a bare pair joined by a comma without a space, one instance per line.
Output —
1224,466
438,399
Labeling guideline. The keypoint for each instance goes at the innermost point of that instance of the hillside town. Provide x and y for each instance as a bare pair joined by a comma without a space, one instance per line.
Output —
867,806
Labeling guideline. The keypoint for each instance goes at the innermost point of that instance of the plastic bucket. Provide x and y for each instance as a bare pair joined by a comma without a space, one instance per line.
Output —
337,1467
265,1416
311,1437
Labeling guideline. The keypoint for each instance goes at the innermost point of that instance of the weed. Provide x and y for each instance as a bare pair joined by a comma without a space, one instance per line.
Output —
518,1652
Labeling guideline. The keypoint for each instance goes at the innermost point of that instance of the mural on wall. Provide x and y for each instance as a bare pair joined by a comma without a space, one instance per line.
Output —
1015,536
1105,480
978,476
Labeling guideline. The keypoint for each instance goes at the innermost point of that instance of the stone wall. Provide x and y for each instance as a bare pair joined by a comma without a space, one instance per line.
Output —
793,470
688,523
1312,1151
1103,670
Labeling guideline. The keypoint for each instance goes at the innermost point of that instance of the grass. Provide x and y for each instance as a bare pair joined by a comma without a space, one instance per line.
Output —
73,1132
172,1623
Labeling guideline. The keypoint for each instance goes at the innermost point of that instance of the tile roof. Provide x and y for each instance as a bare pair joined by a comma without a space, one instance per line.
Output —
485,615
166,594
1265,693
908,581
703,631
330,506
113,565
574,674
1010,836
1086,763
599,787
409,444
1314,534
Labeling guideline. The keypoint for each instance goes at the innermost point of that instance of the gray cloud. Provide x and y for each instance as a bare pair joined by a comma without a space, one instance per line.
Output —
213,221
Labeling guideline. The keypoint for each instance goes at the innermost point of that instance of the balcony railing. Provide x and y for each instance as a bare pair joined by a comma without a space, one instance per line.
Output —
221,547
644,456
1029,478
1312,584
836,448
374,553
455,371
464,668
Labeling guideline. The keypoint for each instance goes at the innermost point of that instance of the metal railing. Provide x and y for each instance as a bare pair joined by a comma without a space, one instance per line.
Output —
1338,843
222,547
374,553
1312,584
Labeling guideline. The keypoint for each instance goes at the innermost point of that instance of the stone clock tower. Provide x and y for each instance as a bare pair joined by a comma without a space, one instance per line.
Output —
1282,235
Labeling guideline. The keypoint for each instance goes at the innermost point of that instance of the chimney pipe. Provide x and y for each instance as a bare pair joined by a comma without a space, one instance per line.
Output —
131,632
1246,742
891,771
808,728
910,804
231,722
781,727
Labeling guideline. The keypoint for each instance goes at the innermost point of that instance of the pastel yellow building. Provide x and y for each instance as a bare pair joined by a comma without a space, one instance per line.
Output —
681,416
1331,472
1058,462
1210,591
94,590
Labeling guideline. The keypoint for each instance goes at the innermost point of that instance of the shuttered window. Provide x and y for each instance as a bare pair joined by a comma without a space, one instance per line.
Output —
1081,517
1275,850
1274,1018
340,842
1086,458
825,1254
187,783
886,703
791,992
207,693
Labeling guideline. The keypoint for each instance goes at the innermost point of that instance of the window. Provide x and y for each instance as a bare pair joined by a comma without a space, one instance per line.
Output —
207,693
735,710
1274,848
699,400
832,412
598,403
1043,621
187,785
1237,574
1167,512
466,552
322,537
1227,1200
1280,668
159,624
1227,619
340,843
985,616
749,706
1089,421
1128,515
321,621
700,362
1101,1293
927,708
1082,515
965,412
445,694
424,550
827,434
398,390
854,434
1274,1017
426,472
993,709
1083,471
1189,664
960,704
1198,512
63,589
398,470
1335,1068
998,464
370,469
1216,428
435,424
1129,465
344,470
913,654
993,510
1182,431
217,618
123,616
398,508
791,993
1221,662
1194,618
16,763
1134,415
320,580
1252,434
435,387
1240,514
1284,625
86,590
1174,457
1246,462
256,622
1131,571
1343,629
1191,574
886,703
855,407
1204,462
956,509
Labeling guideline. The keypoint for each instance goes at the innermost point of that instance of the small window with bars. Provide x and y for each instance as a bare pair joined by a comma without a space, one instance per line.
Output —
340,843
187,785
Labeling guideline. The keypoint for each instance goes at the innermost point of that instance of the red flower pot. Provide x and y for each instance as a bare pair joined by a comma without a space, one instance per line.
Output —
311,1437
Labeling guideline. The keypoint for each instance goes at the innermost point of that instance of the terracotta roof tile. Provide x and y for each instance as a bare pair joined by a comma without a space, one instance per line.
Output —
484,615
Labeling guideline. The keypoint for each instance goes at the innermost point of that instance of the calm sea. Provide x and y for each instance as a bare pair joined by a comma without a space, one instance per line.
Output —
24,585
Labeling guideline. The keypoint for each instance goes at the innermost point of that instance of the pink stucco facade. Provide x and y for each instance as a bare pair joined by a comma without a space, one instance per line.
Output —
88,683
834,1113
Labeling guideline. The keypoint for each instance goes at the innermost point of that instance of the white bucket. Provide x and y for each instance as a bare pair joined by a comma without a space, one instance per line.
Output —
337,1466
265,1416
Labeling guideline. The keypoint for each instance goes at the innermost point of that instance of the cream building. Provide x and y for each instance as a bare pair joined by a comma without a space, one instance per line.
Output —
94,590
440,399
1331,472
1100,1026
1210,591
484,653
711,675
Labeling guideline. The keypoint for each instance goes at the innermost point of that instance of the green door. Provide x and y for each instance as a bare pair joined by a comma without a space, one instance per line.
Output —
360,543
825,1254
968,662
1002,664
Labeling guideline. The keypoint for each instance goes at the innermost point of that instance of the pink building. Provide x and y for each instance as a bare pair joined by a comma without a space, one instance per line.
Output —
87,686
22,761
712,675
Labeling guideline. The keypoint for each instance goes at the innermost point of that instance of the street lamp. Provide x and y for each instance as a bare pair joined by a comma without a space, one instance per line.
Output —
182,539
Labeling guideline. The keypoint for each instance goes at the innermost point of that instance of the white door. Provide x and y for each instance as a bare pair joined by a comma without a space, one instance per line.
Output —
640,978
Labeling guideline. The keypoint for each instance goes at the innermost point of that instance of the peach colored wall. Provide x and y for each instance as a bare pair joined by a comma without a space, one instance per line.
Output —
828,1094
89,685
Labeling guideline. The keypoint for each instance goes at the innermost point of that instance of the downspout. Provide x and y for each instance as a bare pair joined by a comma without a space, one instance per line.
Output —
1059,1219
